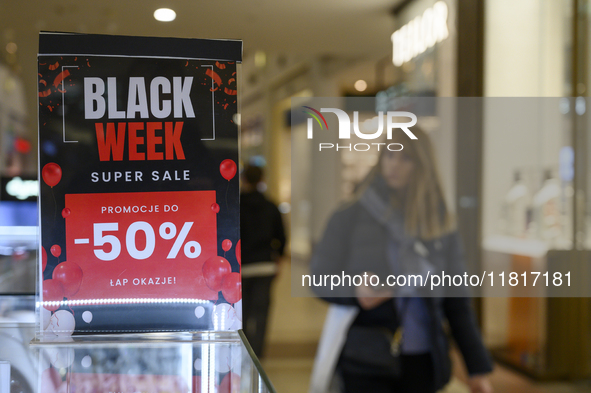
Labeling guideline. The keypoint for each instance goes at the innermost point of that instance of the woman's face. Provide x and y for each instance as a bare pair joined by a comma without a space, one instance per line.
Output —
397,168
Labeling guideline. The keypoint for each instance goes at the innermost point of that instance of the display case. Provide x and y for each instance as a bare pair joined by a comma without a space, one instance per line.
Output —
158,362
152,362
534,222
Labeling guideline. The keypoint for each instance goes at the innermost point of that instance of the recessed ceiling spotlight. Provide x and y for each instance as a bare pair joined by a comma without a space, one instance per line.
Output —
164,15
360,85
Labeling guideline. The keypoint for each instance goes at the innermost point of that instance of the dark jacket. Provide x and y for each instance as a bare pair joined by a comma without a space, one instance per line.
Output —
354,243
261,229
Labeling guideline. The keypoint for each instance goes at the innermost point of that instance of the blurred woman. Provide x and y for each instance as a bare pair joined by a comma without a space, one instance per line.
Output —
394,338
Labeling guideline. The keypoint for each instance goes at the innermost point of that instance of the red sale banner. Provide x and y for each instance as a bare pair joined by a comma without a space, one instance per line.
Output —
140,245
139,191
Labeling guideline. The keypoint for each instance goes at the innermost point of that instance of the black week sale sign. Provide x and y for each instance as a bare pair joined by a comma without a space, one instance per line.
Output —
138,153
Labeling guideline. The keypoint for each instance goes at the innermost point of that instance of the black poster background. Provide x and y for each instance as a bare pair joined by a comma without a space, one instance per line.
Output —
61,104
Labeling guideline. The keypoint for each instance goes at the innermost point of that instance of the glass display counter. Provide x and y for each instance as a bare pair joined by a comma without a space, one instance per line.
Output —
195,362
533,221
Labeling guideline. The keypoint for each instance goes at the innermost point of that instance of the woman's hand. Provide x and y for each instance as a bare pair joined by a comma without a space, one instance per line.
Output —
480,384
369,298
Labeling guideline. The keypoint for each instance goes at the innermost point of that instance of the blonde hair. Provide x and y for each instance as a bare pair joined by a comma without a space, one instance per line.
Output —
426,214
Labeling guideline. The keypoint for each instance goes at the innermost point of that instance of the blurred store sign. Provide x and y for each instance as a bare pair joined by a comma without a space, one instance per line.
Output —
420,34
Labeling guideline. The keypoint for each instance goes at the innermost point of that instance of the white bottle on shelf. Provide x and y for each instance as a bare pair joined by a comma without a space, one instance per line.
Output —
517,204
547,212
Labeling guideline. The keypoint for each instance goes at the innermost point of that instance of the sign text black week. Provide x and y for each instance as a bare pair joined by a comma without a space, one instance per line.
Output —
166,97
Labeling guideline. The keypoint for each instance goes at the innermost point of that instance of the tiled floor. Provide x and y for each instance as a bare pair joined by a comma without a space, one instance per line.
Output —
296,323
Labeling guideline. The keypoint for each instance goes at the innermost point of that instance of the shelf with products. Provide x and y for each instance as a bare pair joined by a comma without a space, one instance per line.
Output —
532,222
545,215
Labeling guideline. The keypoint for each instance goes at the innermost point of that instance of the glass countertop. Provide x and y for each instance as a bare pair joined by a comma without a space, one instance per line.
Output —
194,362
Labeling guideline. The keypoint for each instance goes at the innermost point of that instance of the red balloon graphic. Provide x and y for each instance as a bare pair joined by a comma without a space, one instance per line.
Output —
232,287
69,275
66,212
43,258
226,245
52,292
230,383
215,207
214,270
228,169
56,250
52,174
238,251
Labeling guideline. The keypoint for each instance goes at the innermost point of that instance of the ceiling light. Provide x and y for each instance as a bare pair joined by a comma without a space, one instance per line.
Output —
164,15
360,85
